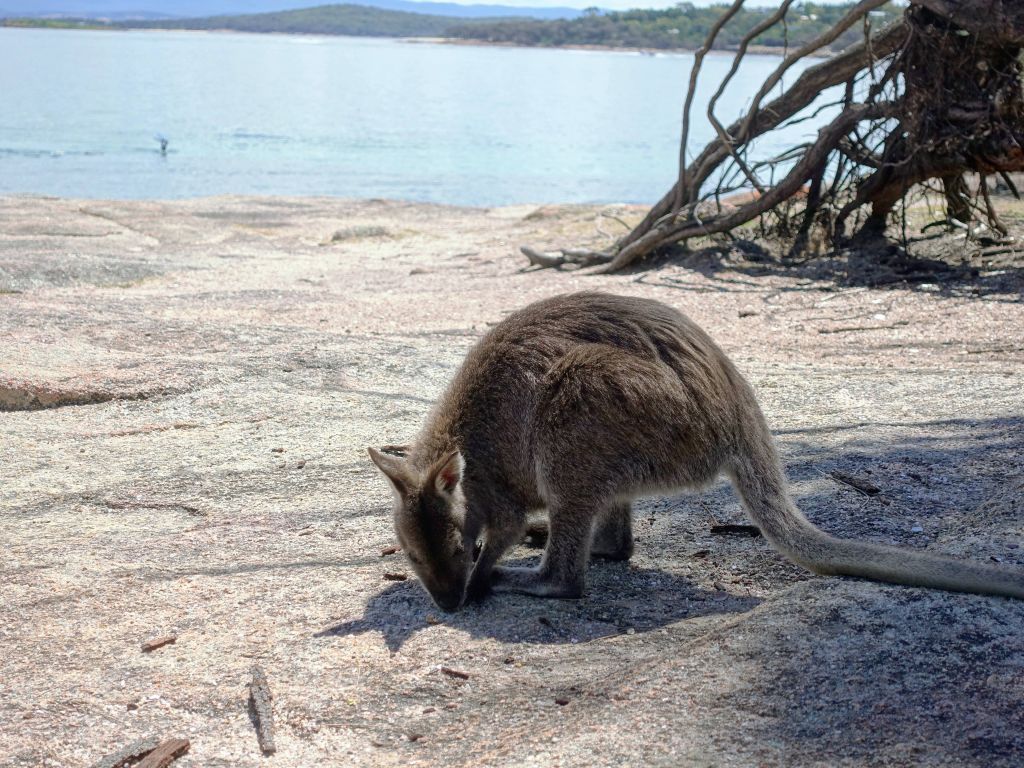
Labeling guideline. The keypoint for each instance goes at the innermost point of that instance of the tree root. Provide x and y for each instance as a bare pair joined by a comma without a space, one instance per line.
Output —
579,258
937,96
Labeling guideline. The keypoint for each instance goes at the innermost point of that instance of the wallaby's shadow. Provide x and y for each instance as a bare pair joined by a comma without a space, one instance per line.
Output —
619,598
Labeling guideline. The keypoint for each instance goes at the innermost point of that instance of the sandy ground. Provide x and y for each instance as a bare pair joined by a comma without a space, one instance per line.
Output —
187,390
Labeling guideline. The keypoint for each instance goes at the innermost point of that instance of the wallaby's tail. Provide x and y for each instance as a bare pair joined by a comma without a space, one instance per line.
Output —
759,479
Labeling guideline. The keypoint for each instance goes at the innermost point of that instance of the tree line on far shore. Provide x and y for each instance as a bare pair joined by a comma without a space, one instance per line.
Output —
681,27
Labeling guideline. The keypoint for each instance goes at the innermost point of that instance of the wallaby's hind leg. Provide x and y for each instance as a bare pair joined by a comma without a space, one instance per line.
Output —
613,533
563,568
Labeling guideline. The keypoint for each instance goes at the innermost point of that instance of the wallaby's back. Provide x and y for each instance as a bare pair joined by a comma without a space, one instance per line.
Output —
518,378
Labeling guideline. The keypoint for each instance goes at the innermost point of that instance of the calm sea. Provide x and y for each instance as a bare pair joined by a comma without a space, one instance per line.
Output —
353,117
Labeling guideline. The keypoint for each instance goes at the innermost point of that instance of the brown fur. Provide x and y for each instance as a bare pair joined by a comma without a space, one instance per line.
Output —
578,404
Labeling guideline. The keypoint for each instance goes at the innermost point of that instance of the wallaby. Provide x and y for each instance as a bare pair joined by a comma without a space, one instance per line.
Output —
578,404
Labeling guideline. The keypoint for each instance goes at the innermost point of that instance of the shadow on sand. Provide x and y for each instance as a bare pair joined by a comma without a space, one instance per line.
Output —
620,599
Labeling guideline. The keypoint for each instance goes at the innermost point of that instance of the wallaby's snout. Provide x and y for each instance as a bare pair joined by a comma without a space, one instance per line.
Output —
448,603
447,590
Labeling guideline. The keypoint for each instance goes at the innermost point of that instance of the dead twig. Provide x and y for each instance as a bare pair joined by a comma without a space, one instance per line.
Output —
165,754
854,328
729,529
130,754
542,260
263,716
868,489
613,217
158,642
575,256
698,60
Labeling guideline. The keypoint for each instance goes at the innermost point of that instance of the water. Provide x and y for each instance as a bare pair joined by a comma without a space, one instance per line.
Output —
351,117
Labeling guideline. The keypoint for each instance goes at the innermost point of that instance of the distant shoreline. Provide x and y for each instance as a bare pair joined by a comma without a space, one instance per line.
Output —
757,50
760,50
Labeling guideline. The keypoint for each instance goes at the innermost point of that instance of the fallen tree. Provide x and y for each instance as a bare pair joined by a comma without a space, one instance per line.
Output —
929,100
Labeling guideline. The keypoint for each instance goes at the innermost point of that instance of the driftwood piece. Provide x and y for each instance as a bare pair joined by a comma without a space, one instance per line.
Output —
165,754
158,642
458,674
730,529
127,755
261,712
579,257
869,489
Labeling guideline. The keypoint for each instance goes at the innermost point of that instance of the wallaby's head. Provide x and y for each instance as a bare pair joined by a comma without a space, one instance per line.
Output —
429,512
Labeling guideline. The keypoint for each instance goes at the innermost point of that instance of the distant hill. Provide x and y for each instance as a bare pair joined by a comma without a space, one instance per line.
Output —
150,9
357,20
35,13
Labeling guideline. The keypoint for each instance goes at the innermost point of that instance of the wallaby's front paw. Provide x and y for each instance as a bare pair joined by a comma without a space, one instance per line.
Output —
530,581
478,589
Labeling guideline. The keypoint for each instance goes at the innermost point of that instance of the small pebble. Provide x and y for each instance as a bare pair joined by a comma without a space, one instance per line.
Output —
917,529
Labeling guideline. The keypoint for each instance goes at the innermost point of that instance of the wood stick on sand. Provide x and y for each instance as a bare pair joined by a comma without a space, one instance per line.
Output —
263,716
165,754
135,751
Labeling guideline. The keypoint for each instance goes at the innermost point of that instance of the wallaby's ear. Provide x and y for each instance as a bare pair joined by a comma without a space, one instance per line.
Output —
394,469
446,474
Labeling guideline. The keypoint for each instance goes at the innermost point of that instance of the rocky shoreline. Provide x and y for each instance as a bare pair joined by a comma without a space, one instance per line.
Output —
186,392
